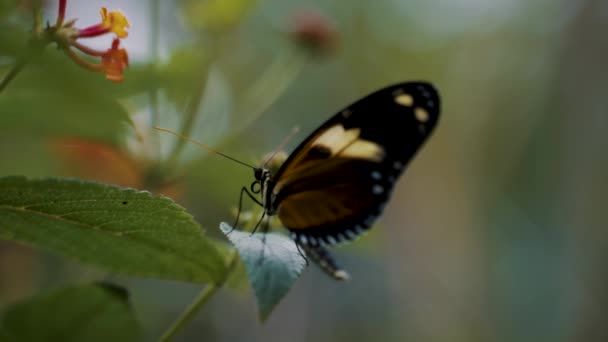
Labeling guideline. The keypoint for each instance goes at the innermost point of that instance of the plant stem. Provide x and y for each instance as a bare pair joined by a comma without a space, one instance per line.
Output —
188,124
203,297
269,86
154,52
37,42
12,74
207,293
186,316
37,12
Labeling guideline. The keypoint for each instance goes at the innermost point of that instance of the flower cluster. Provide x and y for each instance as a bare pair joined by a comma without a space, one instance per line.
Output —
314,31
113,61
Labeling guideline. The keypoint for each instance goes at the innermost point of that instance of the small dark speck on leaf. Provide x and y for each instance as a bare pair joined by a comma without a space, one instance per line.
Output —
124,202
113,289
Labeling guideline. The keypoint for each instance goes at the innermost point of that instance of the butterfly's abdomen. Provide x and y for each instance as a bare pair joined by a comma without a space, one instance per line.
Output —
325,260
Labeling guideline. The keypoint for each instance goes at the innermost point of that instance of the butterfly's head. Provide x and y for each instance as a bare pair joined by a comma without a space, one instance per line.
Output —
262,176
257,173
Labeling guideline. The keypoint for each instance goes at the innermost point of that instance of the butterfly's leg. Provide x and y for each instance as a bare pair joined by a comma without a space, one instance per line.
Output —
265,228
238,213
259,222
302,254
266,225
261,260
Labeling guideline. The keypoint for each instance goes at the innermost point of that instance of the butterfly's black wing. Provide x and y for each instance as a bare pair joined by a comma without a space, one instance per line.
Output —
335,184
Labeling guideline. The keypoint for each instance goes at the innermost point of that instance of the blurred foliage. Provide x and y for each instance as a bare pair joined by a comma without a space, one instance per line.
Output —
217,16
496,232
97,312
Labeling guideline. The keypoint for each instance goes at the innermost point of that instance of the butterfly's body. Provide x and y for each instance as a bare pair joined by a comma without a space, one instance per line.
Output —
336,183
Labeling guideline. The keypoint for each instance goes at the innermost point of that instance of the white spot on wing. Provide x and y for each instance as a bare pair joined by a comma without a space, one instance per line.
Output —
364,149
406,100
421,114
377,189
336,138
347,143
376,175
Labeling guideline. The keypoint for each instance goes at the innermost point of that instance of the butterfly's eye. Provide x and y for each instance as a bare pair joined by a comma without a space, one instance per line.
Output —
256,187
257,173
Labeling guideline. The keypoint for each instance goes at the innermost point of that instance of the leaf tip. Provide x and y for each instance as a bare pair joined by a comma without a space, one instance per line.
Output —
225,228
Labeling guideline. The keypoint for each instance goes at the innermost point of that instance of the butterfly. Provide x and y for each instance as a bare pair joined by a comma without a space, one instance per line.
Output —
335,184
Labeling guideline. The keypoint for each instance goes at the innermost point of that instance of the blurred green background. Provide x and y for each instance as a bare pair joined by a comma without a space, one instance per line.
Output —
497,232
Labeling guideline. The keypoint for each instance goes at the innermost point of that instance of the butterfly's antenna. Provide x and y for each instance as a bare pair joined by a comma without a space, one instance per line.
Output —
202,145
281,145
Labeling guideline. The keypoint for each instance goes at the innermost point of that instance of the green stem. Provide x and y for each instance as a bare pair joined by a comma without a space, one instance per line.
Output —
203,297
154,52
37,42
271,85
12,74
37,17
188,124
266,89
207,293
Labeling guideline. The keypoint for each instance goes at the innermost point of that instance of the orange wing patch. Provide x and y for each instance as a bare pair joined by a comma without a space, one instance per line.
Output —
316,208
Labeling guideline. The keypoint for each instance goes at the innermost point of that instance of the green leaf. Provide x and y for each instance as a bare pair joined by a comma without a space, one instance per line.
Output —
81,313
122,230
272,265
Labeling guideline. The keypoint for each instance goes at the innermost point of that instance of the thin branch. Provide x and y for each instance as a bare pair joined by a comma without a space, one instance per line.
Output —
188,124
11,74
203,297
154,53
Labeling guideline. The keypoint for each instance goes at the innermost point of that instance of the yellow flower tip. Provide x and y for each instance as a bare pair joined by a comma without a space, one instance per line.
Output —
115,21
104,14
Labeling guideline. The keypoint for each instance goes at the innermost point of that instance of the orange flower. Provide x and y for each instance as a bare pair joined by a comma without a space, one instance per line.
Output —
114,61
